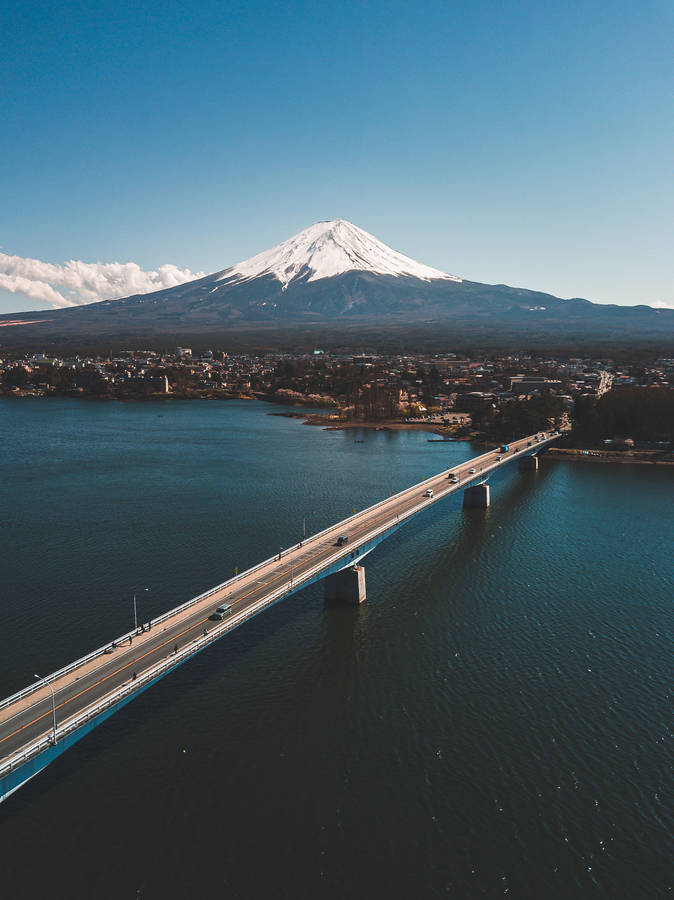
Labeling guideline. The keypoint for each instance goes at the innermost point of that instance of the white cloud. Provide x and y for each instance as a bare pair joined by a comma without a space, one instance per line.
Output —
36,290
85,282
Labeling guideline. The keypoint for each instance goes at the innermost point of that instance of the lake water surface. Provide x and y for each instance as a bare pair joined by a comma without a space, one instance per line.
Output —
495,720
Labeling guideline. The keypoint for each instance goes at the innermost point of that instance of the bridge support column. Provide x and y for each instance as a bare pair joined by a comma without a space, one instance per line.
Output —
347,586
528,463
476,497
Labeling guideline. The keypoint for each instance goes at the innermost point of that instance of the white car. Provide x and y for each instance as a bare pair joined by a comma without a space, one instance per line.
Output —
429,492
471,472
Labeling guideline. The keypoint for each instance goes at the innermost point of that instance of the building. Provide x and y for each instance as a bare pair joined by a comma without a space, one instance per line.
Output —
533,384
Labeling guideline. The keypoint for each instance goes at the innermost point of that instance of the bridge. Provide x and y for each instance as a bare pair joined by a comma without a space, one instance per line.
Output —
48,716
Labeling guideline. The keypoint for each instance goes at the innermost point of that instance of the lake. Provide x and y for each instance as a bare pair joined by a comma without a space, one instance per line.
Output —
495,720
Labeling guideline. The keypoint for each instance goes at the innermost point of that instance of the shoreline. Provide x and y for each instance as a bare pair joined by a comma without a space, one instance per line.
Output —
624,457
324,421
290,412
133,398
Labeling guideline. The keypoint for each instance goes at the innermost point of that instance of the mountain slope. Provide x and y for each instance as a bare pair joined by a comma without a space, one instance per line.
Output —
328,249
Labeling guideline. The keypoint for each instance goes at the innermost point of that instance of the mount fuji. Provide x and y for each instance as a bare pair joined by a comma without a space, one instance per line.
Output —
326,250
335,281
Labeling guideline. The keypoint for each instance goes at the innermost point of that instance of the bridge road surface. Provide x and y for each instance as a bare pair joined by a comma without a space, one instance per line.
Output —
28,718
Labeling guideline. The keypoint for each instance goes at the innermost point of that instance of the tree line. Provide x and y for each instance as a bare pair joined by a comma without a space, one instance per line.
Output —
641,413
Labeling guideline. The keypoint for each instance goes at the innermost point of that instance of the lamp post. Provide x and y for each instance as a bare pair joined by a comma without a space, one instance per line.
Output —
307,516
53,708
135,613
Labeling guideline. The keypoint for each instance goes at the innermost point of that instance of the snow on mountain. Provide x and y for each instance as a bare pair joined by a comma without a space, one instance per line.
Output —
327,249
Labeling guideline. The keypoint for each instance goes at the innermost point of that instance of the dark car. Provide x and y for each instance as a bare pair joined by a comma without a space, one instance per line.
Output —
221,612
342,539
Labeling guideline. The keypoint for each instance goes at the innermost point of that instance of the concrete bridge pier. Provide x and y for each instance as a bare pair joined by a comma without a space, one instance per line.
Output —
346,587
528,463
476,497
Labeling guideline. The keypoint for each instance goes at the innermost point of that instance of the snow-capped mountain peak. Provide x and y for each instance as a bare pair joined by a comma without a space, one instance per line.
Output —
327,249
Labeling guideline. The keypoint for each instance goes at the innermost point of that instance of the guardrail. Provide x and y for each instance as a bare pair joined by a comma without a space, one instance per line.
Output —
94,654
48,679
198,644
156,671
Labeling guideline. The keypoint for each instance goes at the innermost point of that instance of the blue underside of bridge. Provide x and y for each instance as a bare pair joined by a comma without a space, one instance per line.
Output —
23,773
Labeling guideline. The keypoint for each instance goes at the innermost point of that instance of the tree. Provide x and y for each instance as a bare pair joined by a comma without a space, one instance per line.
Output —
518,418
642,413
482,413
17,376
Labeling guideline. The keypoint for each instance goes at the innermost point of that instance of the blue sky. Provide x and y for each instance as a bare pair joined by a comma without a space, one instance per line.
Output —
524,143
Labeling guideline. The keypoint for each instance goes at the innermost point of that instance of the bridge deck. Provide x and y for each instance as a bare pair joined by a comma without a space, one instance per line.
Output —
139,658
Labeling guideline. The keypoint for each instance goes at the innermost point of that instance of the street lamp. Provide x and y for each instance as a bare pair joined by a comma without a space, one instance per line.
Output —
53,707
135,613
309,515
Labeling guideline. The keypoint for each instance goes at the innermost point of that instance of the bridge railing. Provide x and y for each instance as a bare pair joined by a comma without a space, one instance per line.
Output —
198,644
144,679
94,654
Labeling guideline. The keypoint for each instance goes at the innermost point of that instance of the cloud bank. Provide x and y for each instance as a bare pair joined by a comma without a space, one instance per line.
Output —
82,282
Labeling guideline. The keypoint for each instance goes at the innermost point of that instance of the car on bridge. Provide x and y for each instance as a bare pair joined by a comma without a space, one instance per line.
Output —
471,471
429,492
341,540
453,478
220,613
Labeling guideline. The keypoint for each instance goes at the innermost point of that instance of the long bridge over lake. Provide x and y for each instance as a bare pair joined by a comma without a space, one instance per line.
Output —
41,721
